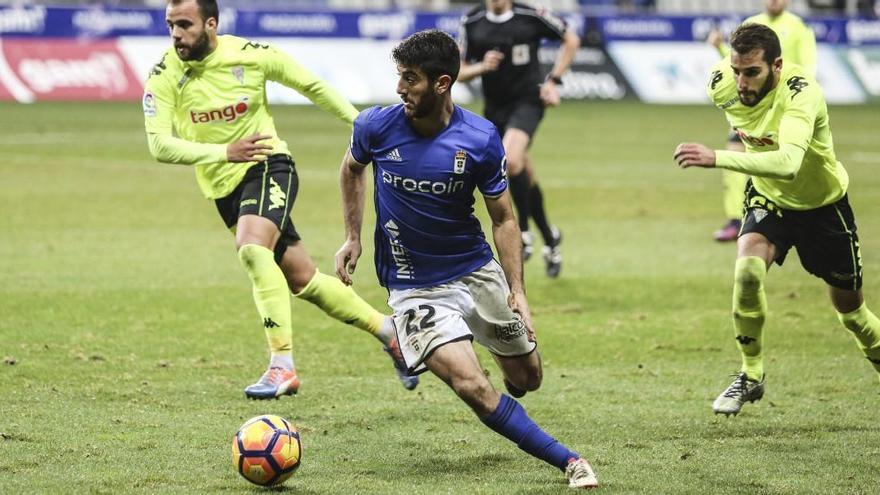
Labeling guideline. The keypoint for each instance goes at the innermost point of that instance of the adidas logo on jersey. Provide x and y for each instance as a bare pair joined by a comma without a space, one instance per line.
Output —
394,156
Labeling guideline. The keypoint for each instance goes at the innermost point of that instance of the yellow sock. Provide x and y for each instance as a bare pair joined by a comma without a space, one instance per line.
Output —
341,302
270,295
865,327
749,311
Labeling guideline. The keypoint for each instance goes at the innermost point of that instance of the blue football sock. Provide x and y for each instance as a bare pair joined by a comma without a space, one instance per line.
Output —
511,421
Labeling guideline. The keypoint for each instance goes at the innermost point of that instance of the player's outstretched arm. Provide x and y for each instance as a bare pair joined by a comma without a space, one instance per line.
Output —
284,69
783,163
353,183
166,148
508,243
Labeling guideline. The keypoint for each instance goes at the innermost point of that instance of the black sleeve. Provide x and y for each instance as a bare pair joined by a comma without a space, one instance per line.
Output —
551,25
466,52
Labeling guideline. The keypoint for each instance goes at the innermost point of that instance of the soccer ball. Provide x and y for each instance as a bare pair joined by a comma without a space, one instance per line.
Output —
266,450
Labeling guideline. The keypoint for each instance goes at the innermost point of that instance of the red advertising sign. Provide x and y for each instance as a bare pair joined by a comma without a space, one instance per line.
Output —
67,69
5,95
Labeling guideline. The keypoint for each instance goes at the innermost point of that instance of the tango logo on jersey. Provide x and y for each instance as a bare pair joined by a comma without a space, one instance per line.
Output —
755,140
402,261
436,188
460,161
229,113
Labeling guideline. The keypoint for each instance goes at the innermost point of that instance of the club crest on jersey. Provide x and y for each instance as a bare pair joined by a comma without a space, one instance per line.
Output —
460,162
238,73
759,214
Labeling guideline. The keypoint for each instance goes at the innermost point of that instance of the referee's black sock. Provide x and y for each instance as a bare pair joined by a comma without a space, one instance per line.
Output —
519,189
536,205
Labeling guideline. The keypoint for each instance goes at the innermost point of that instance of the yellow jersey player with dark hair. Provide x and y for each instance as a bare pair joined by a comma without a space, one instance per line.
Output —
205,105
796,197
798,45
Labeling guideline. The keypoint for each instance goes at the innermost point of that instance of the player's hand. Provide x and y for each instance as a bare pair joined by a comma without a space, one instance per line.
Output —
491,60
346,260
249,149
694,155
715,38
517,302
549,94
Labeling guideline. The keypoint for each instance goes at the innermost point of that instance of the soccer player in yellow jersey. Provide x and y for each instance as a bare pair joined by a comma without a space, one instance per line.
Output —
205,105
798,46
795,198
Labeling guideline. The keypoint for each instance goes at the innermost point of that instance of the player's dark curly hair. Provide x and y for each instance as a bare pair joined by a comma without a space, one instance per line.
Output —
207,8
432,51
751,36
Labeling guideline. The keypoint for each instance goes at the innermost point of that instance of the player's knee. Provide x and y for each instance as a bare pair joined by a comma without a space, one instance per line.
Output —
529,383
528,379
475,392
297,284
749,274
243,240
298,278
534,380
248,254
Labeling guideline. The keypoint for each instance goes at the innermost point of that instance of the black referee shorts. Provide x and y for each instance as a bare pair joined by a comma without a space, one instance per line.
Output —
825,237
524,115
268,189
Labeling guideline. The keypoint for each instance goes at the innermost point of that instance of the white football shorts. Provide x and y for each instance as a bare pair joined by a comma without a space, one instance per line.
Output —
471,307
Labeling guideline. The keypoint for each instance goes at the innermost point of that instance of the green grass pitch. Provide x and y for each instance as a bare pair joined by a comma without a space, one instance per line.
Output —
128,329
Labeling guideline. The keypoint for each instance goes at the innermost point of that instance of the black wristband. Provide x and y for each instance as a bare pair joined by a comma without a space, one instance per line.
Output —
555,79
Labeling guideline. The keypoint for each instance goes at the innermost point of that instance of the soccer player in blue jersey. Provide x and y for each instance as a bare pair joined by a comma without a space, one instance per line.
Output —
445,287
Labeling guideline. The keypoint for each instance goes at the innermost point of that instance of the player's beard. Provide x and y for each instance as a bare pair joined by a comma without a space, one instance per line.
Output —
755,97
197,51
425,106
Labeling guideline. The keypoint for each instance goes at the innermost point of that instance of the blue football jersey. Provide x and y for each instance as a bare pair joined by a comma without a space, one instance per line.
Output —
426,231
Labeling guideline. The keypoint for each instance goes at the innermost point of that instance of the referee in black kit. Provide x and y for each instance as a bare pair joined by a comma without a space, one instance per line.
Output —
499,42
